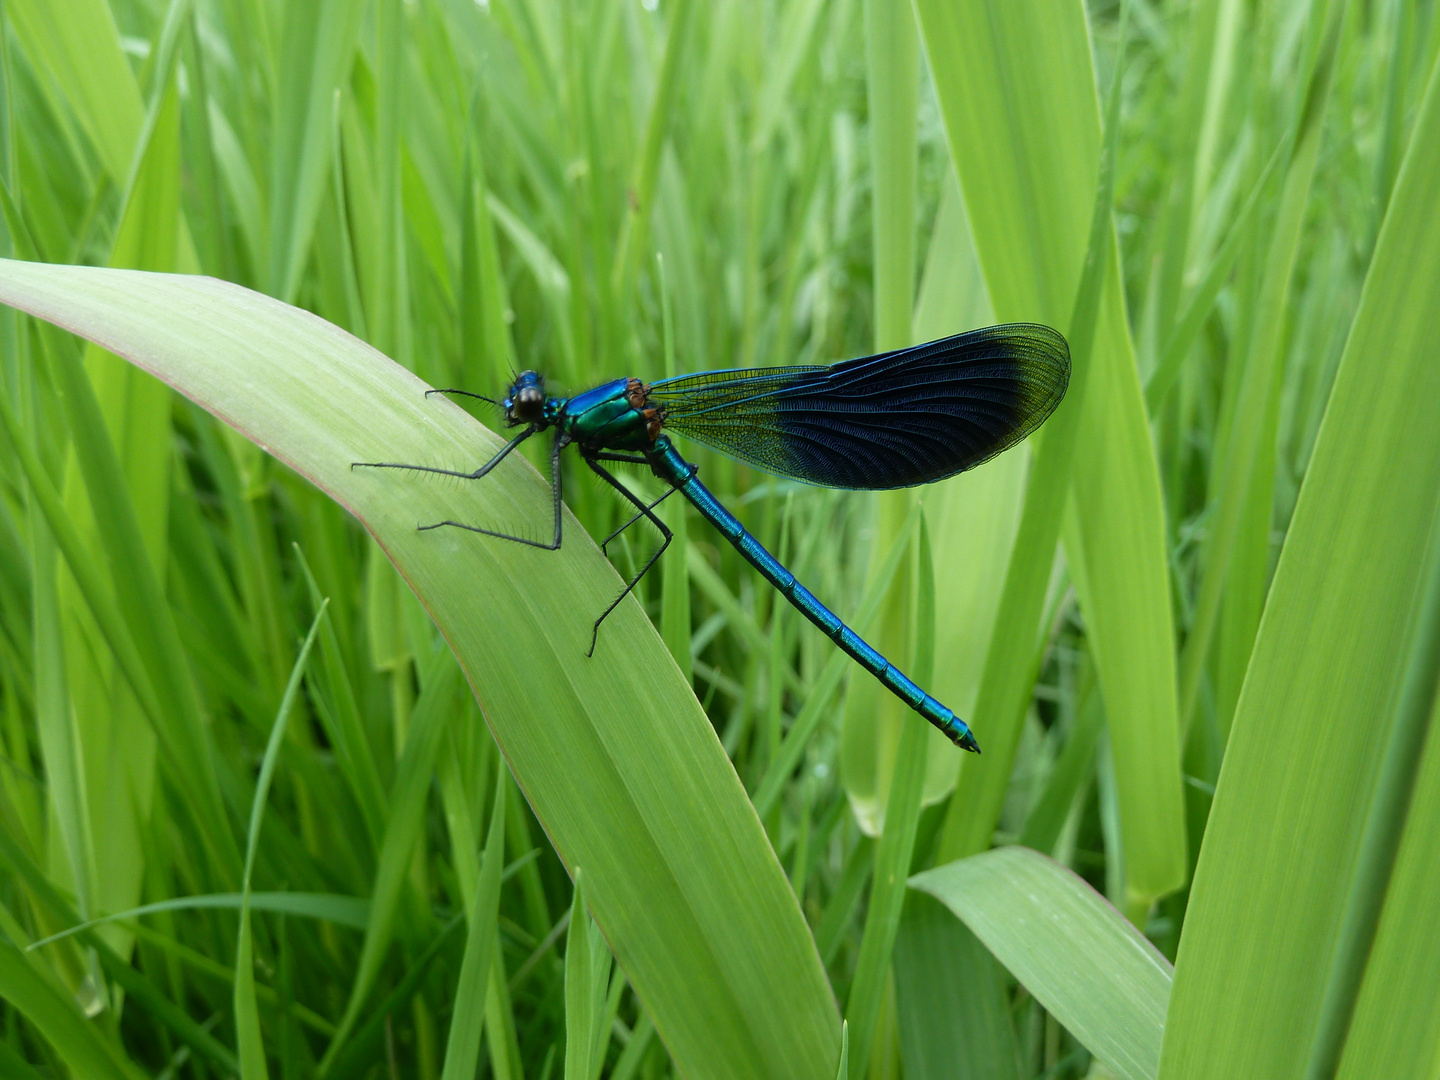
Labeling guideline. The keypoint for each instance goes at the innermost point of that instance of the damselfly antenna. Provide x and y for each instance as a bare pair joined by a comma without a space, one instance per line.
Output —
466,393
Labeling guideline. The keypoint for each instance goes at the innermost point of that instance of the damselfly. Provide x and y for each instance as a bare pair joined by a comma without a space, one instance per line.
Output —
895,420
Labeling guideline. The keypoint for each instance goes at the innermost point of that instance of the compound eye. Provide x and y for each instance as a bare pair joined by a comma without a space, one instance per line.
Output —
529,403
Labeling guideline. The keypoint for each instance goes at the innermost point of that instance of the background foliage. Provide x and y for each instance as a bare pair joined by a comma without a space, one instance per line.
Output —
220,699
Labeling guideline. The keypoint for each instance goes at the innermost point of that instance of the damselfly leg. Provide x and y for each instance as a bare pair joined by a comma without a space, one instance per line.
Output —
500,456
593,460
560,443
555,492
630,459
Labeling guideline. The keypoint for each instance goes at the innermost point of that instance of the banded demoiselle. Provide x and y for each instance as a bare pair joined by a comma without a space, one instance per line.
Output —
894,420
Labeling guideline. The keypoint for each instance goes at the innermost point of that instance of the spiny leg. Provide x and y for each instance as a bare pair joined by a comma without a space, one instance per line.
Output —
476,475
554,545
668,492
665,533
630,459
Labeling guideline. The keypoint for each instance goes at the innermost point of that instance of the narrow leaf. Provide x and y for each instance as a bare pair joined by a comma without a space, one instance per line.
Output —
1286,826
402,832
462,1045
247,1012
1091,969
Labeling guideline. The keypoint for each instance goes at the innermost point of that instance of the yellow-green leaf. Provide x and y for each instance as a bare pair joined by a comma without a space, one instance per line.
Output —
1291,800
614,754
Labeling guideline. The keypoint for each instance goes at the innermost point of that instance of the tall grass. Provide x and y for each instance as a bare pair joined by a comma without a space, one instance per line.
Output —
1178,619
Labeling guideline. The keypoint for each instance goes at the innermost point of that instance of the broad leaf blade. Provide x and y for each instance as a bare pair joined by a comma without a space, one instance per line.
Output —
1300,764
617,759
1016,87
950,994
1092,970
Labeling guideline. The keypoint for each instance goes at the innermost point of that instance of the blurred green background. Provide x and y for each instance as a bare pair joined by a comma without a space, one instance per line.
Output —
1178,619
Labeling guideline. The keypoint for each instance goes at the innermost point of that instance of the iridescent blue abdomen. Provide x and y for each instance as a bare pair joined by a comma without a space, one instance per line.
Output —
667,463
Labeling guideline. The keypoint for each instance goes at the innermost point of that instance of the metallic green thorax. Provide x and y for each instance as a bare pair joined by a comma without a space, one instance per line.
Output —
612,416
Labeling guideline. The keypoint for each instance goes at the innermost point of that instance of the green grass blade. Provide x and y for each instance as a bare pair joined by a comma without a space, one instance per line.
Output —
1020,115
1247,460
1284,830
209,217
139,989
628,1064
503,1035
245,199
1072,769
1184,130
605,1030
127,441
346,733
1202,299
632,243
1393,1027
1011,664
462,1045
892,50
874,719
249,1041
387,308
1226,36
840,909
222,974
587,969
837,665
247,1011
742,621
54,727
600,748
142,604
98,596
318,43
902,815
136,412
549,274
487,348
1092,970
76,1042
953,1004
364,1046
81,50
15,1067
403,825
351,911
1384,827
793,45
973,516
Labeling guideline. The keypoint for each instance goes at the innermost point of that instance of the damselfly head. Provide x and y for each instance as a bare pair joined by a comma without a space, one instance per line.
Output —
525,403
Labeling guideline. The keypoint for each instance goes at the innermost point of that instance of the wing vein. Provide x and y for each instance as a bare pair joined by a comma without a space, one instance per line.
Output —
911,416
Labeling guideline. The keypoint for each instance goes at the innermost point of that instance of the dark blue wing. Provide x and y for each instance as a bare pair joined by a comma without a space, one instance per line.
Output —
894,420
